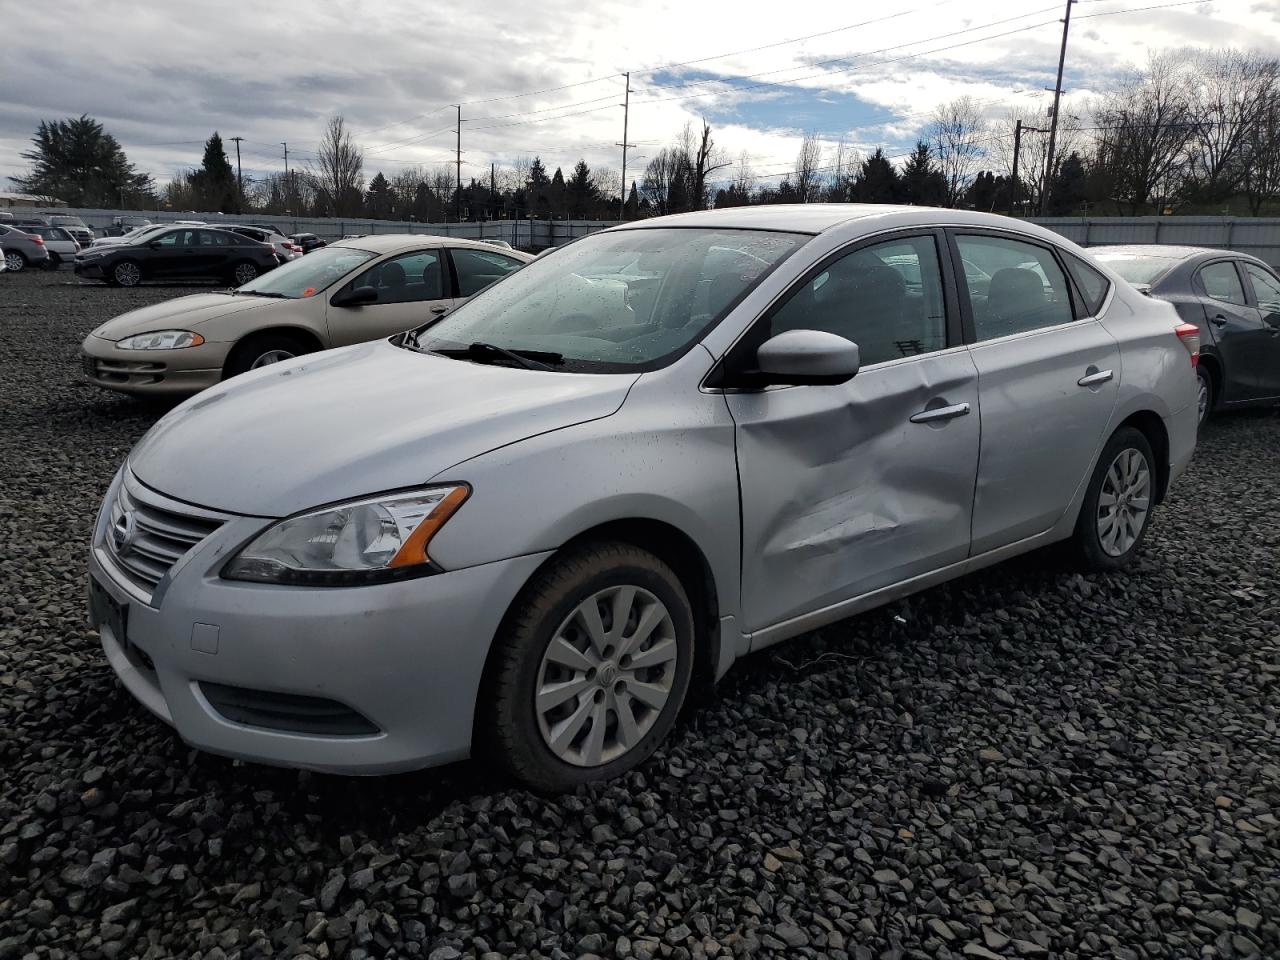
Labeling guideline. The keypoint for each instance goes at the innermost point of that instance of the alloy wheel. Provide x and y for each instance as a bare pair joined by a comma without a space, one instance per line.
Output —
269,357
14,262
606,676
1202,398
127,274
244,273
1124,502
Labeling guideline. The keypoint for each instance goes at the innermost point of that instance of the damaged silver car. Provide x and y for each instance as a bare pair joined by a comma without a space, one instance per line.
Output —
529,526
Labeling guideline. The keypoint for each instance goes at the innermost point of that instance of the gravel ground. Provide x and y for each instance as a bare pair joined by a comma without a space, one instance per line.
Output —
1024,763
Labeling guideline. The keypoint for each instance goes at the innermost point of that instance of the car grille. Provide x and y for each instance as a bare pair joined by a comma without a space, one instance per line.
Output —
122,371
148,533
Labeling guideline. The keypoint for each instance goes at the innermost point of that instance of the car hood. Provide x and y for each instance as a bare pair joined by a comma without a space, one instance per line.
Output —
180,314
355,421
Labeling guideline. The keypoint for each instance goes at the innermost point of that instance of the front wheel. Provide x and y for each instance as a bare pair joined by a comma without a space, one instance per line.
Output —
591,668
262,351
243,272
126,273
1117,505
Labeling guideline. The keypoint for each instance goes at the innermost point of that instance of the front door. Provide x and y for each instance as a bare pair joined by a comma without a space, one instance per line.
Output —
1266,295
167,253
849,488
413,288
1238,331
1047,384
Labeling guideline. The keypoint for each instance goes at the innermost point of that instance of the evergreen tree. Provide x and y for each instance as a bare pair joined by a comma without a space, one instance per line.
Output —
215,182
633,202
379,201
582,192
1069,187
538,198
922,182
77,161
877,181
556,193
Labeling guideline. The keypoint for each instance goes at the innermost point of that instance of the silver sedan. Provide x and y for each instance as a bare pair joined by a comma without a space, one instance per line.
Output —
528,527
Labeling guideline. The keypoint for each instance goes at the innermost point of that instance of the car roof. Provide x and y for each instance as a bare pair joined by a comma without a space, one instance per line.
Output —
1164,251
395,242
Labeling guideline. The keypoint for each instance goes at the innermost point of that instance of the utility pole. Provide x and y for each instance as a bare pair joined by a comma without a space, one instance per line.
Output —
458,157
493,191
288,184
239,179
626,115
1018,131
1053,122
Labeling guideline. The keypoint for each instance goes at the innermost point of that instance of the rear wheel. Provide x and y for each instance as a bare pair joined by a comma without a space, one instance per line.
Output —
263,350
243,272
126,273
15,261
1204,393
591,668
1117,505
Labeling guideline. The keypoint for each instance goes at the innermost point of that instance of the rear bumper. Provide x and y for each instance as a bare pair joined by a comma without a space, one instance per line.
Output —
1181,428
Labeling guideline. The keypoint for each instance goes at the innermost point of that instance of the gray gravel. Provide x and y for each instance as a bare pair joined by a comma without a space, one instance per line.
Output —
1027,763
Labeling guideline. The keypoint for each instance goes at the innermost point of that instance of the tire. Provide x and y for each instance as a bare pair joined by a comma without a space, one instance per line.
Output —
126,273
51,262
262,350
552,746
243,272
1204,393
1118,477
15,261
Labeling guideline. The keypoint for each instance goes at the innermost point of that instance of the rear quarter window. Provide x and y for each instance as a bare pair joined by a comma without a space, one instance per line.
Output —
1090,283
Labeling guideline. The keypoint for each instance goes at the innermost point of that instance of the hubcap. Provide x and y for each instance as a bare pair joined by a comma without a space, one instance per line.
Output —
606,676
270,357
1202,398
1124,502
13,262
245,272
127,274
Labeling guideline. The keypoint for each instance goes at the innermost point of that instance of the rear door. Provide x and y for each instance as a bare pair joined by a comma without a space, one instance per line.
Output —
1243,340
476,269
846,489
412,289
1265,289
1048,379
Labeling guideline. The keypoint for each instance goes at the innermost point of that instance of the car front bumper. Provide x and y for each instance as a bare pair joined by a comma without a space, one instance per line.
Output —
408,656
90,270
153,372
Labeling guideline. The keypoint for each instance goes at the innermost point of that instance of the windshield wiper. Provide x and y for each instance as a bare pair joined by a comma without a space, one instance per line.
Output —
482,352
267,293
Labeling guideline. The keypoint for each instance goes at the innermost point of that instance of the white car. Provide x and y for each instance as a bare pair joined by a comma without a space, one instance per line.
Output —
285,248
62,246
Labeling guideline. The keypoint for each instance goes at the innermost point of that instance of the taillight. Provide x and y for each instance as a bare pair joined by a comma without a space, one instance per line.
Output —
1189,335
38,240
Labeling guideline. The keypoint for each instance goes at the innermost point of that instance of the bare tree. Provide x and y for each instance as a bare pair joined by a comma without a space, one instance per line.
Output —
1227,92
668,180
1260,157
337,175
844,166
1144,128
1033,147
744,175
807,181
706,162
957,134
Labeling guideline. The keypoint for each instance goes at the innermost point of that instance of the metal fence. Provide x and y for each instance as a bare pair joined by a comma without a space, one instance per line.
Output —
1258,236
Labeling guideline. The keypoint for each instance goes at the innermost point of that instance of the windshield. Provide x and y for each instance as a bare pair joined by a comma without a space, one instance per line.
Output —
308,276
617,301
1135,268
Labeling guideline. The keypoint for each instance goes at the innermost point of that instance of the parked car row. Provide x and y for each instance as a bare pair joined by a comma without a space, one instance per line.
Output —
527,523
177,253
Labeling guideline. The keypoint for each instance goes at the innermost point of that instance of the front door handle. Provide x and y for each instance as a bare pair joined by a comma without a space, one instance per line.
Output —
439,309
1095,378
941,413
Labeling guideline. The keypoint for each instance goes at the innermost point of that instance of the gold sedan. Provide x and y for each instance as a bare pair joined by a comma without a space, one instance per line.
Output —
348,292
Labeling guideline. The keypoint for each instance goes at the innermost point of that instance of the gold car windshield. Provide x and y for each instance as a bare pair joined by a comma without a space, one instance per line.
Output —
309,275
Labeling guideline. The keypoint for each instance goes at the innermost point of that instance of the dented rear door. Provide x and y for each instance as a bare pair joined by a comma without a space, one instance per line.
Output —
849,488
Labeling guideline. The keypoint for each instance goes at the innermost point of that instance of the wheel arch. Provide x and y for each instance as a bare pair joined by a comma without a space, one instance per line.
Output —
309,337
1151,426
1212,362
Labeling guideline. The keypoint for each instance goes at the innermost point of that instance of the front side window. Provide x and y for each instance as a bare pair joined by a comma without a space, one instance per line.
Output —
1222,282
174,238
409,278
1026,289
309,275
1266,288
619,300
886,298
478,268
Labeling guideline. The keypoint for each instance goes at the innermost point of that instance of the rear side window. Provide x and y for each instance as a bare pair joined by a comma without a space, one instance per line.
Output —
1222,282
1092,285
478,268
1266,288
1024,288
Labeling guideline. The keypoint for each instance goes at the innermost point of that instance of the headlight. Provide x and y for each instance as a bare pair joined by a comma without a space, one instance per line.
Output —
365,541
161,340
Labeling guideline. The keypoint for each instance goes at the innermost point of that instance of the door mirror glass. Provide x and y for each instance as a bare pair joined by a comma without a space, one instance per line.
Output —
356,298
807,357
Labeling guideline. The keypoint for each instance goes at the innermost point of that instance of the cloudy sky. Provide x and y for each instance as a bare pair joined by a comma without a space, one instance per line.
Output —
545,78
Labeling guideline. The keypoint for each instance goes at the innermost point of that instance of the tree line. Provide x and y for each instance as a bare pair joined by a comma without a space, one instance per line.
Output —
1191,131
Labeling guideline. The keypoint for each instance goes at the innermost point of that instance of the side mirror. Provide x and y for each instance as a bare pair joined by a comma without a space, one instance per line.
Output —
807,357
356,298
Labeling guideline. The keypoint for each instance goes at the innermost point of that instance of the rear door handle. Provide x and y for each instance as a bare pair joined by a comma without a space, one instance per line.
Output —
941,413
1219,321
1095,378
439,310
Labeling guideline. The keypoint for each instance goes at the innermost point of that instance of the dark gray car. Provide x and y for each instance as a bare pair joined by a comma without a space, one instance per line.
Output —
22,250
1235,301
